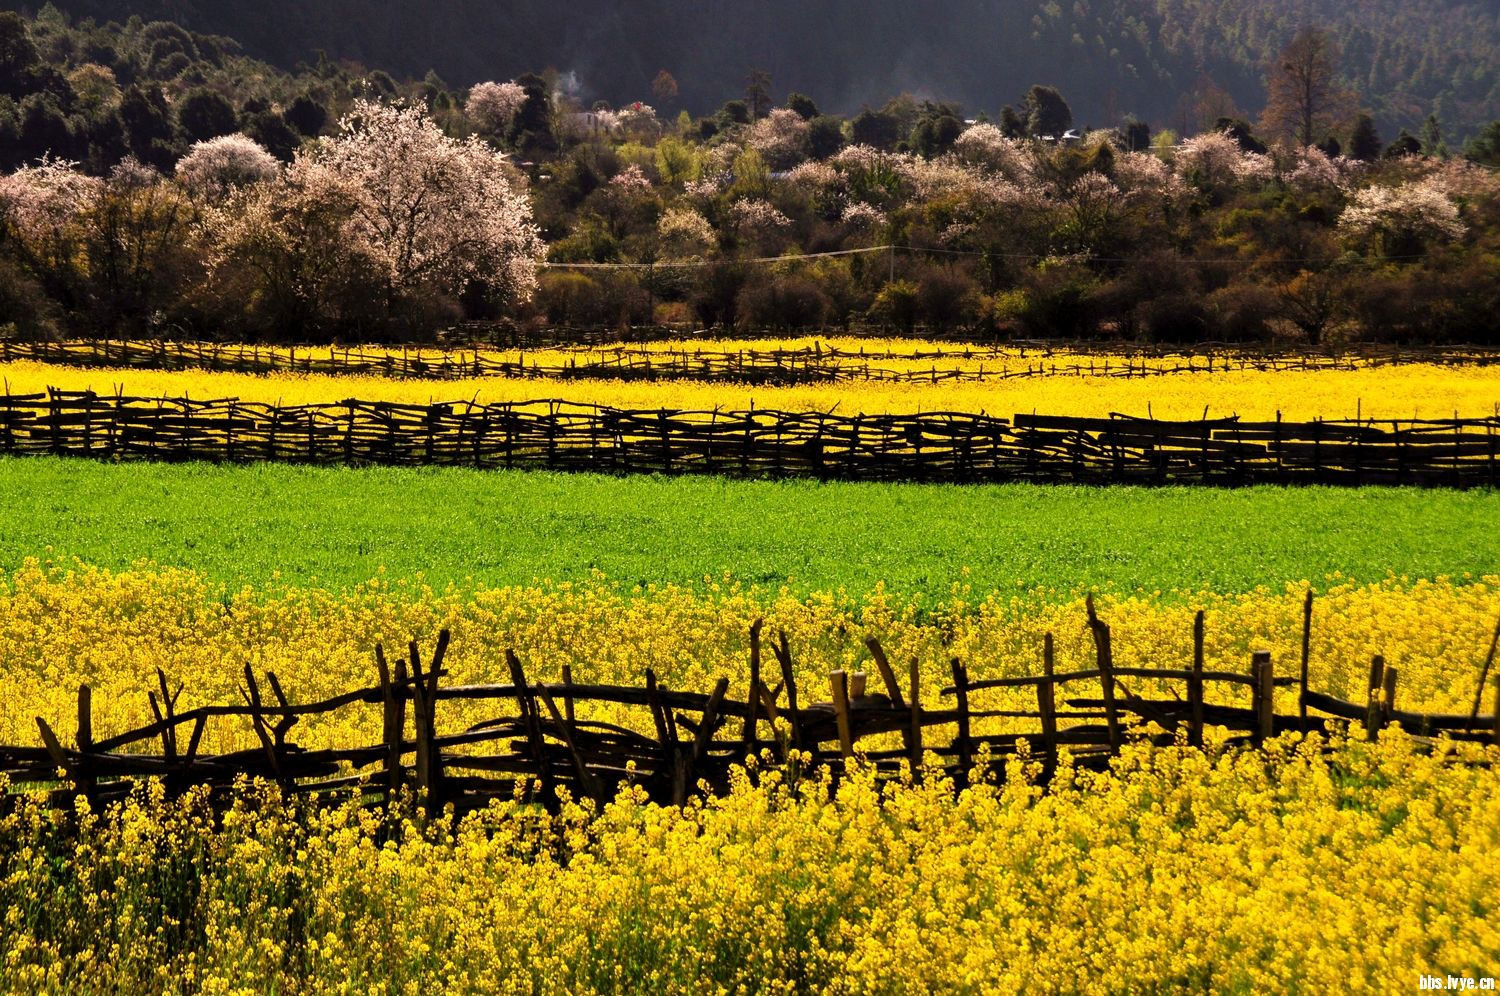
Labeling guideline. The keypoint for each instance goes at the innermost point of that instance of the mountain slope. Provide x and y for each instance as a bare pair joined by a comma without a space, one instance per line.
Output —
1171,61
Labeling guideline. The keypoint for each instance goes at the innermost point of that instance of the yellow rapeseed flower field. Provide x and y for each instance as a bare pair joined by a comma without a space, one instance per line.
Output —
1292,870
62,627
1362,867
1406,391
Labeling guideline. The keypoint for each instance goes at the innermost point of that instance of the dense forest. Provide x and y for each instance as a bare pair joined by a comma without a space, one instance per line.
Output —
1176,63
161,182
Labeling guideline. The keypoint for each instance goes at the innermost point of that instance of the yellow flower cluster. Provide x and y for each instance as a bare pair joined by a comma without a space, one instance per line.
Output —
1294,870
61,627
1406,391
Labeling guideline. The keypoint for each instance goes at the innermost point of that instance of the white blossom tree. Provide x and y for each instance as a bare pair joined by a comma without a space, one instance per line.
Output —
492,107
213,169
433,211
685,234
290,250
986,146
44,213
780,138
43,205
1402,220
1215,164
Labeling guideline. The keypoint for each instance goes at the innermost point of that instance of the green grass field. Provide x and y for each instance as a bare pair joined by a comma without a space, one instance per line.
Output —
337,527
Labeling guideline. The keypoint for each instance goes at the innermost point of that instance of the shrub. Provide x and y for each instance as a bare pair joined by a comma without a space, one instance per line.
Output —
577,299
896,304
946,298
784,303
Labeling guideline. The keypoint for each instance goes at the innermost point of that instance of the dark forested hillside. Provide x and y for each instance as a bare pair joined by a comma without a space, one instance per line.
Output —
1178,63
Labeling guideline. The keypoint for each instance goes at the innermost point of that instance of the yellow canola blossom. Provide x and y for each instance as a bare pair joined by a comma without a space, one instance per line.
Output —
62,627
1406,391
1177,871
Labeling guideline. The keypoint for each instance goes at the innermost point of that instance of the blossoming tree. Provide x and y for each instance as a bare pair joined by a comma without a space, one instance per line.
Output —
434,212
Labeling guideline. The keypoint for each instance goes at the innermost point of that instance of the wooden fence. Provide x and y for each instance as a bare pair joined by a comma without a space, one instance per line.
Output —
812,364
932,446
540,739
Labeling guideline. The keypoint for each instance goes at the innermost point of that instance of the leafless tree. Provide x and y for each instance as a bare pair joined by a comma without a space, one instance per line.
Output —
1302,95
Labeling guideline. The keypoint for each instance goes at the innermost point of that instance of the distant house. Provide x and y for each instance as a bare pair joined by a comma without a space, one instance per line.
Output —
1069,137
589,124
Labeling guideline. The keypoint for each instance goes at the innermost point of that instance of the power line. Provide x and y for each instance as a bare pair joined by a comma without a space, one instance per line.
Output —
935,250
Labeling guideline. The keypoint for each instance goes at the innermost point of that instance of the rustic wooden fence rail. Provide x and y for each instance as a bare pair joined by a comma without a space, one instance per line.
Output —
541,739
814,364
931,446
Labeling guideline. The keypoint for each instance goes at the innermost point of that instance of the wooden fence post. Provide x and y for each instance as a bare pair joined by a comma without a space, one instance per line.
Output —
1495,720
60,758
587,780
706,724
393,725
839,688
1046,702
1105,654
1307,607
1373,713
752,701
883,665
526,702
1195,685
914,745
1264,694
1388,696
784,657
85,719
665,731
567,680
429,763
1484,673
965,755
283,725
251,694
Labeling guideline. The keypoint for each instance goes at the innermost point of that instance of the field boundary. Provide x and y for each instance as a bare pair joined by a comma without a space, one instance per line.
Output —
538,743
806,365
930,446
